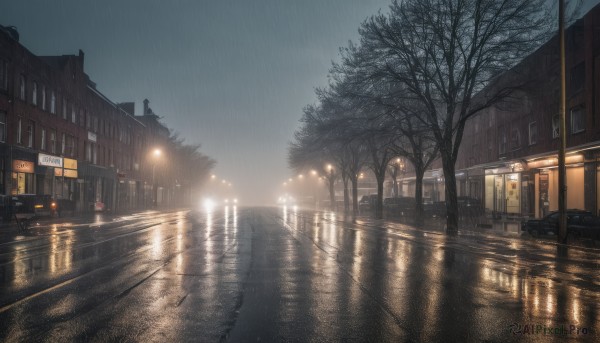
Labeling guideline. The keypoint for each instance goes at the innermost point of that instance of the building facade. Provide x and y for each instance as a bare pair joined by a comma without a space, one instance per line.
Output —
508,156
60,135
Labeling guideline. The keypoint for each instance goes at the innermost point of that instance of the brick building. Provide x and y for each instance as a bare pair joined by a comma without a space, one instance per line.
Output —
508,156
59,135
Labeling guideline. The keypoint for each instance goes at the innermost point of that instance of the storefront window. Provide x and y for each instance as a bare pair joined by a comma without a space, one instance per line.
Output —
513,193
22,183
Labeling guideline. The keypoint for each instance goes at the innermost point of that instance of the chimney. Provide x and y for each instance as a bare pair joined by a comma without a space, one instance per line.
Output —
146,102
81,55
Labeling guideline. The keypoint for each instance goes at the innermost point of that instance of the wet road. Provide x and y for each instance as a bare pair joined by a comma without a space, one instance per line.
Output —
278,274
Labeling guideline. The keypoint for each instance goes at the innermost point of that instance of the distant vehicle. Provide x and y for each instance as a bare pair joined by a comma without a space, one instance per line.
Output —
399,206
578,222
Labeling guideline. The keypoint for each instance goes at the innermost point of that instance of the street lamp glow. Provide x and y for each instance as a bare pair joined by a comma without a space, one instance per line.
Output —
213,176
300,176
329,167
313,172
157,152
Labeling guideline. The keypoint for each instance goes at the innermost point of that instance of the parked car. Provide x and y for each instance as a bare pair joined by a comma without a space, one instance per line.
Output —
469,207
367,203
435,209
578,222
399,206
584,225
39,205
64,207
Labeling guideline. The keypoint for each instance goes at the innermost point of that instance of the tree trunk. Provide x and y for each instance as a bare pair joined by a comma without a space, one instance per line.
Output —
451,201
354,181
419,173
379,204
346,195
332,194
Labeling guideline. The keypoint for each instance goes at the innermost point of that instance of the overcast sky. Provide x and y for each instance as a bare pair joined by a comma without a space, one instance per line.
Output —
230,75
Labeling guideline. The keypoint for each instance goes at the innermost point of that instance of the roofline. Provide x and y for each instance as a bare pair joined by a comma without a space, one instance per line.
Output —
107,100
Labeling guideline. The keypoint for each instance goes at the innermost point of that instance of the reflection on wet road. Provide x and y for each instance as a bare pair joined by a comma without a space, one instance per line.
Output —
276,274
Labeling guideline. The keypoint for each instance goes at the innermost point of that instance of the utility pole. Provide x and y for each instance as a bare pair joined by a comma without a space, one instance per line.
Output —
562,170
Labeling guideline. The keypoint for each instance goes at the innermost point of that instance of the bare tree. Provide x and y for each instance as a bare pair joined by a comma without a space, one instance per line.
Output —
359,79
445,52
313,150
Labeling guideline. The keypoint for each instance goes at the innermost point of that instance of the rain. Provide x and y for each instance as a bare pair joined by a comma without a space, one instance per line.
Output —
347,170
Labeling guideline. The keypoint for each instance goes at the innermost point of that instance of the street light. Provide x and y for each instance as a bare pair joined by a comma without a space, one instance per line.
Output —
156,155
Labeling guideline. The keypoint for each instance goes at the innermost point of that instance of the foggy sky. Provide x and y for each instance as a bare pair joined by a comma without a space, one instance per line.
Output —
230,75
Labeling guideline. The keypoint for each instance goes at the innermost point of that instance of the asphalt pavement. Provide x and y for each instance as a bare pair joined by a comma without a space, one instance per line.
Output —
282,274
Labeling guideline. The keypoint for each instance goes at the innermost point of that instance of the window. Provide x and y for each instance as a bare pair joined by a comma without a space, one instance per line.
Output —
3,74
53,141
73,115
34,94
515,138
501,141
70,145
577,78
19,132
22,87
64,109
30,133
43,142
577,120
52,103
91,152
555,126
82,116
44,98
533,132
64,144
3,127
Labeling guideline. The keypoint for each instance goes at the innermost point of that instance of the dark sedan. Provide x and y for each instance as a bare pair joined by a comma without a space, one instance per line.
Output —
579,223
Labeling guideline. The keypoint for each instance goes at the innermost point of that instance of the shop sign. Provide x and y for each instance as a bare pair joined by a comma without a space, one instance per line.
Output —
50,161
22,166
70,173
92,136
70,163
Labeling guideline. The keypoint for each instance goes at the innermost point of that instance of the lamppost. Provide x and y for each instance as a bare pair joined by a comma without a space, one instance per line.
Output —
156,155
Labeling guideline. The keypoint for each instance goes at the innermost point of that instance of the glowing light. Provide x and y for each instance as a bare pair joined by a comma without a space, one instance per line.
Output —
157,152
209,205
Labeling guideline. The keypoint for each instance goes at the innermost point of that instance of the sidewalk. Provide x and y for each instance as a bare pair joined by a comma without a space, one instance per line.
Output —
10,231
485,227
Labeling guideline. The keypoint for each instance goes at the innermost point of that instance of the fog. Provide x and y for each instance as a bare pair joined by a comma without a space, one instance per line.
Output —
230,75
